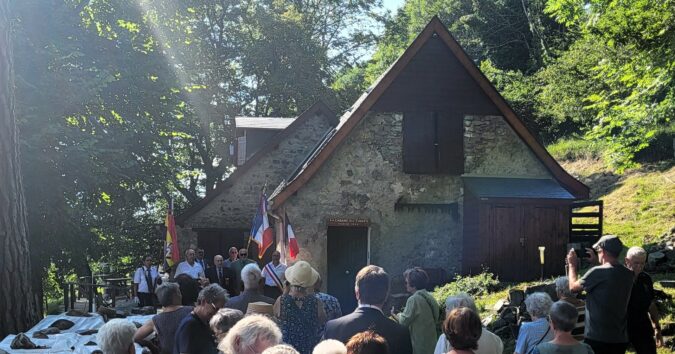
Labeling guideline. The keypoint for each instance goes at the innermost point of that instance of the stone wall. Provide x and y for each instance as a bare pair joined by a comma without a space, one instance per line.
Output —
236,205
492,148
364,178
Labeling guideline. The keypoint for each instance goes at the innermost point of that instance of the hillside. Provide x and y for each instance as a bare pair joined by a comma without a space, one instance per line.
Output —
639,205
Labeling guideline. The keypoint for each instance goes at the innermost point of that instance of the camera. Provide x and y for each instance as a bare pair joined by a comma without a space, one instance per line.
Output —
582,252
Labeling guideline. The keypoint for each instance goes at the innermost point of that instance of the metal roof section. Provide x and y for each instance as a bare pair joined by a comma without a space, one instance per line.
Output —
272,123
499,187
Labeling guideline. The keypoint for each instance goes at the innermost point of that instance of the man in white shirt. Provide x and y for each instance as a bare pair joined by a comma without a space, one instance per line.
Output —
189,266
145,280
274,273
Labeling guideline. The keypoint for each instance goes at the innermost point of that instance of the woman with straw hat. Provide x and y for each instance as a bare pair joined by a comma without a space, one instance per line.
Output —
300,313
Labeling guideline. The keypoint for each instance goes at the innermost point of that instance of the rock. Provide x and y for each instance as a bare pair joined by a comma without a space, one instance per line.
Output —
78,313
146,310
508,315
667,328
503,332
90,343
499,323
88,332
516,297
543,288
40,335
654,259
500,305
21,341
106,313
62,324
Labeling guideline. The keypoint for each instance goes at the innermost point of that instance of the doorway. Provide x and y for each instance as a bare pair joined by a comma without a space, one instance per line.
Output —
347,253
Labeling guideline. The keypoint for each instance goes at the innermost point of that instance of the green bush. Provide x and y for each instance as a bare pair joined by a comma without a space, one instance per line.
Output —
575,148
475,285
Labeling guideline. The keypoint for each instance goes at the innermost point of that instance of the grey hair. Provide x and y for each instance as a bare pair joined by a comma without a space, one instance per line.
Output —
212,293
330,346
538,304
224,320
562,287
564,316
168,294
460,300
636,252
116,336
251,276
248,331
280,349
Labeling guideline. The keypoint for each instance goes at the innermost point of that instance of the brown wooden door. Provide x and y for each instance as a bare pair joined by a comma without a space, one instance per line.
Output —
347,254
543,226
506,241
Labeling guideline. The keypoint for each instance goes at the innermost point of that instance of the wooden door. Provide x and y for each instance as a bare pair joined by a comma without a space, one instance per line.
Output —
544,226
506,241
347,253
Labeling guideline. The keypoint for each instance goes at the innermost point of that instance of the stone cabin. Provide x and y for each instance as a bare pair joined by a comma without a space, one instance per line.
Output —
430,167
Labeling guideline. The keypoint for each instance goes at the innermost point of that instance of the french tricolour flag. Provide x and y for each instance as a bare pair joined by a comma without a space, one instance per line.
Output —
261,232
290,235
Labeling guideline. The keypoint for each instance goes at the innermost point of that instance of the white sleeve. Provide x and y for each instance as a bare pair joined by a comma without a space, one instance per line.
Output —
137,276
179,269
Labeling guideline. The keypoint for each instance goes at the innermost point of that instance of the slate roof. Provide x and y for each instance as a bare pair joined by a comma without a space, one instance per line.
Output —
498,187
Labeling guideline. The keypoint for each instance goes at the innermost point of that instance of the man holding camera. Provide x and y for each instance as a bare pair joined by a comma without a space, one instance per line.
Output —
608,288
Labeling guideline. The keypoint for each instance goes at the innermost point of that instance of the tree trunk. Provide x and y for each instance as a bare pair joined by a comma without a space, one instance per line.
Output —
18,310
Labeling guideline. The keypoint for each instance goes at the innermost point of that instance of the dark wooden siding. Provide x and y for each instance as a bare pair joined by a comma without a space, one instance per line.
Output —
434,80
504,235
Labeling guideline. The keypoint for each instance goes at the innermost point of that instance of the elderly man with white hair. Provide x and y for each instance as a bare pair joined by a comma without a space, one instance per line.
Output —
253,286
117,337
644,330
194,335
538,331
489,343
251,335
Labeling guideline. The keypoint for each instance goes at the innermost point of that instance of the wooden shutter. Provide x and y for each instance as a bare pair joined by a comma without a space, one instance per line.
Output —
450,143
418,143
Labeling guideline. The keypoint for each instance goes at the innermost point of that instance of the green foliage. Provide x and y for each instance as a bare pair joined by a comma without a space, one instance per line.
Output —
125,104
474,285
571,149
634,89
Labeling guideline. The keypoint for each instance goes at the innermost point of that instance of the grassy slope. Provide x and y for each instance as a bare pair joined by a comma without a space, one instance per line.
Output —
639,205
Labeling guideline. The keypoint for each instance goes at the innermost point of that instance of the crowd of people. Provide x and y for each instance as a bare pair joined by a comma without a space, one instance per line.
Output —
235,307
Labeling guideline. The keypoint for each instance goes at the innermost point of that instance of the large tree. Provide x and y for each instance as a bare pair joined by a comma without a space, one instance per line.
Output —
18,310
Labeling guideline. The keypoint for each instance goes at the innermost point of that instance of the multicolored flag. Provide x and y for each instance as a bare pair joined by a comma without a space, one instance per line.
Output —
290,236
261,232
171,252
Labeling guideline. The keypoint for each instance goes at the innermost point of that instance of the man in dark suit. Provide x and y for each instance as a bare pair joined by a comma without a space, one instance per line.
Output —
372,289
221,275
